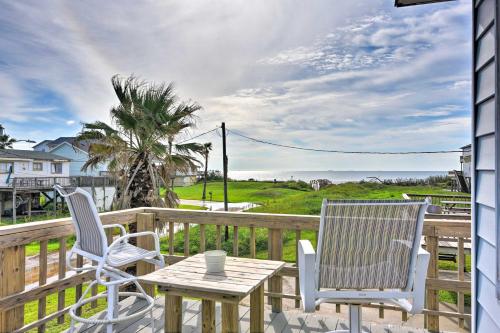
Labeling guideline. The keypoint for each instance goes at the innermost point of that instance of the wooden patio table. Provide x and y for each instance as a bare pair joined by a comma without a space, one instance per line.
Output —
240,278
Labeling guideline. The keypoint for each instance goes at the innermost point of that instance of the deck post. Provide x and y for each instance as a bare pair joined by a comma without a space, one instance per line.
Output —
276,253
103,195
54,198
1,206
93,189
12,266
14,212
257,310
230,318
432,296
30,196
208,316
173,313
145,222
461,277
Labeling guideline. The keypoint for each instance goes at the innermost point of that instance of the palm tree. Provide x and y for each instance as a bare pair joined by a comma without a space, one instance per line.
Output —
139,147
206,148
5,140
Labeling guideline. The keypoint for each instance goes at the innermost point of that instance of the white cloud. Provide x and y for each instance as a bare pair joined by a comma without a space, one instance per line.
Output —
323,73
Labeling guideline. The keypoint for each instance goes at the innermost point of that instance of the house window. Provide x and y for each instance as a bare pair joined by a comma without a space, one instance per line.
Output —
37,166
57,168
6,167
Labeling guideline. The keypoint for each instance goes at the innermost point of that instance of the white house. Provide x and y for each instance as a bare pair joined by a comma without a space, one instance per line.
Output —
28,164
465,160
76,151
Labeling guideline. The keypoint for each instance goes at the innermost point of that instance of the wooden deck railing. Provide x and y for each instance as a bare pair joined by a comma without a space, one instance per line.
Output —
13,240
437,198
21,183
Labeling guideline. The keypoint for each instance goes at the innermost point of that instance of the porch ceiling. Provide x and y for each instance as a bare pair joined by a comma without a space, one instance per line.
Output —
403,3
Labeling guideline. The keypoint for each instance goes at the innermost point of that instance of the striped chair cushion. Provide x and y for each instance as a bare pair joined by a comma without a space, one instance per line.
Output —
88,227
367,246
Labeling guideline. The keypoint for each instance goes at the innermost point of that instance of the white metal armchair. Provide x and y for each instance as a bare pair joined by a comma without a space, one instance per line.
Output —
91,243
364,247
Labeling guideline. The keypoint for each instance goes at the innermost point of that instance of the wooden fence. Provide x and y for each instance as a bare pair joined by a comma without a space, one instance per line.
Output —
13,240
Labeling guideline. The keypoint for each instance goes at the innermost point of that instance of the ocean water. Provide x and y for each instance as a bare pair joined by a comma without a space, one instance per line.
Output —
335,177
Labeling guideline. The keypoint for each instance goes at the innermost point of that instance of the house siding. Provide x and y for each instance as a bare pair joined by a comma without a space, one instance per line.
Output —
485,149
78,159
24,168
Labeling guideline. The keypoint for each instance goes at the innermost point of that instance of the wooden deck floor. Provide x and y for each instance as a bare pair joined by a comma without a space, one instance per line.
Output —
290,321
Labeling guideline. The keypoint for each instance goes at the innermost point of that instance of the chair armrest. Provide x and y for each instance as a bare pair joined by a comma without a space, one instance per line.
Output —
123,232
419,281
306,261
138,234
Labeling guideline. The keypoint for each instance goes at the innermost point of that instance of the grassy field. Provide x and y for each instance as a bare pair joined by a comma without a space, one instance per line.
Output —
35,218
31,310
292,198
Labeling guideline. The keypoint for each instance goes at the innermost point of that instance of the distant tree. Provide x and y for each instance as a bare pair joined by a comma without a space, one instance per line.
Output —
5,140
140,147
206,148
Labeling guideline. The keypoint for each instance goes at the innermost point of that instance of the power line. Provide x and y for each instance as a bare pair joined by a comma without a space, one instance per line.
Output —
197,136
343,151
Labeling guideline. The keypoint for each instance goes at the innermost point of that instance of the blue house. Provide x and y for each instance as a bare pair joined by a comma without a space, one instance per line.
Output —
76,152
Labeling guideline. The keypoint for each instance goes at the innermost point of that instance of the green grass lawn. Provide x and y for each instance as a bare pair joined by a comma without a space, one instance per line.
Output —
290,198
31,310
192,207
240,191
35,218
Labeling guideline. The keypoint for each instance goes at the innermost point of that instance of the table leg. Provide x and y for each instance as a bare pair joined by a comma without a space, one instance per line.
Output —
257,310
173,313
230,318
208,316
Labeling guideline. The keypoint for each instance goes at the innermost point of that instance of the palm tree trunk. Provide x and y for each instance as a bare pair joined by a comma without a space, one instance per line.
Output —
204,195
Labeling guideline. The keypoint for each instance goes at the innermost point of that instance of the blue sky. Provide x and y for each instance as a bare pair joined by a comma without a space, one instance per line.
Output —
354,75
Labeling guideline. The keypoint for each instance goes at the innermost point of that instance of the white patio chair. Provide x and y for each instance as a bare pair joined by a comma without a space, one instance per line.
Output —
363,247
91,243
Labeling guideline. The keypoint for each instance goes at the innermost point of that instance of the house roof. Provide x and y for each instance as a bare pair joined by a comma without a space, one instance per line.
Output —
83,145
30,154
41,143
466,146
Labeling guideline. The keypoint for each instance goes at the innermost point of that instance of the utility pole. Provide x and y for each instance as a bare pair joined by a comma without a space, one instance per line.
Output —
224,166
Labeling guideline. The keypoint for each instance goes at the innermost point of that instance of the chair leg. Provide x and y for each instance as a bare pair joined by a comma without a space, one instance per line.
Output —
152,321
72,326
112,306
355,318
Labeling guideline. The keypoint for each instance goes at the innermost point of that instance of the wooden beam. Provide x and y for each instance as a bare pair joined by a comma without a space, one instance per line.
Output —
173,313
25,296
12,269
146,222
276,253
